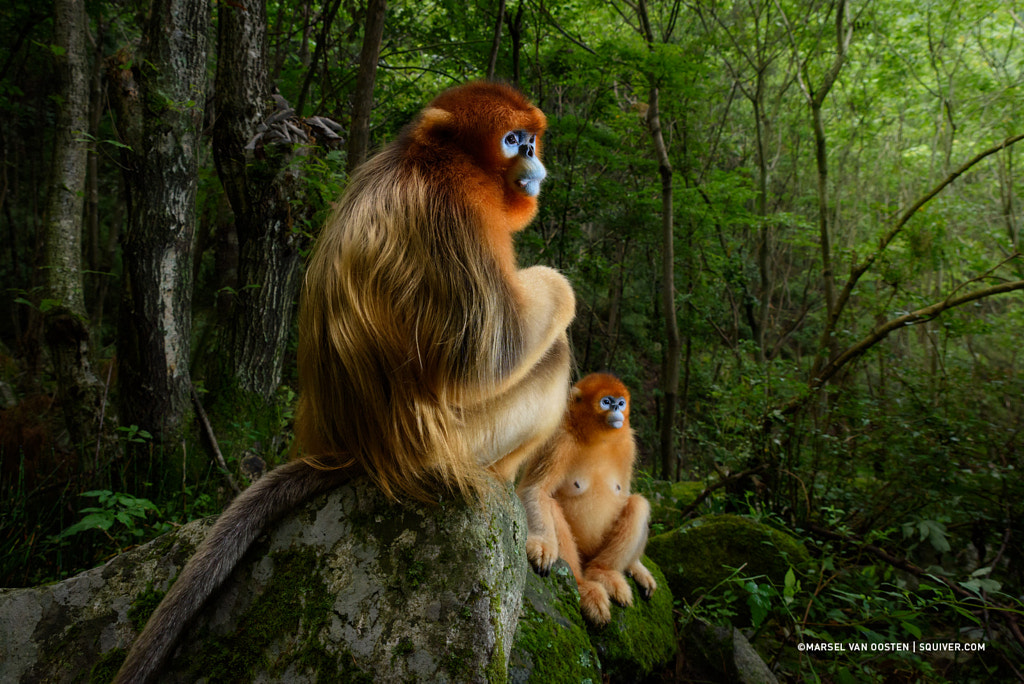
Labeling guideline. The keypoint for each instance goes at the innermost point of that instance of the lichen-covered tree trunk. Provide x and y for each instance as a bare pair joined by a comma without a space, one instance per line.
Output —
263,193
79,391
159,94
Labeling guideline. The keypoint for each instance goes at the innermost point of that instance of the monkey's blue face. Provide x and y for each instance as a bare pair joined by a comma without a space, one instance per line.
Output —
614,406
527,171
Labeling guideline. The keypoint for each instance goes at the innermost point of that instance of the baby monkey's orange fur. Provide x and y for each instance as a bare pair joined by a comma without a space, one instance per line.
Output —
577,500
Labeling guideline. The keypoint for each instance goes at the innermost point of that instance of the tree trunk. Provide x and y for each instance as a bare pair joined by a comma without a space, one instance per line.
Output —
515,32
321,44
670,381
79,391
263,185
160,103
760,319
673,347
492,63
362,101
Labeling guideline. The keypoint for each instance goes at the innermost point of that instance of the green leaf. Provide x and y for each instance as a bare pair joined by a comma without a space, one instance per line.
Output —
790,586
912,629
47,304
980,585
94,521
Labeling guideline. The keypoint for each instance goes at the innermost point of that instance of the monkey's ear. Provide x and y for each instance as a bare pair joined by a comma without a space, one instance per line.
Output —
434,120
576,394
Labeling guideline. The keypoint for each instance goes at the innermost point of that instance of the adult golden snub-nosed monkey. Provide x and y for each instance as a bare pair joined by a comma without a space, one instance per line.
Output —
427,360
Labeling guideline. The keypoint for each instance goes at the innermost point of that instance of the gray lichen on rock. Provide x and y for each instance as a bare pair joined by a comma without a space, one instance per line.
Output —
350,587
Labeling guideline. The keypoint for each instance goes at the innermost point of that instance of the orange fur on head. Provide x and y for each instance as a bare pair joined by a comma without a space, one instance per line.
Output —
415,326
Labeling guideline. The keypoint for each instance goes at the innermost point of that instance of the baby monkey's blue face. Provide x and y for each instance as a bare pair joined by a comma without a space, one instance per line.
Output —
614,406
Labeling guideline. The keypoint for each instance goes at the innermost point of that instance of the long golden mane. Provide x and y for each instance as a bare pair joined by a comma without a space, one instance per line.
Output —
402,310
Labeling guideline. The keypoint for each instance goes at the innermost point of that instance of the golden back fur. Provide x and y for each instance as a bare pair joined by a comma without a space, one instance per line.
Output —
408,310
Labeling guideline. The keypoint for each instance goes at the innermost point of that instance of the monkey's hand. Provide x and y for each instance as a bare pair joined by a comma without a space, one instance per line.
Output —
547,307
644,579
542,553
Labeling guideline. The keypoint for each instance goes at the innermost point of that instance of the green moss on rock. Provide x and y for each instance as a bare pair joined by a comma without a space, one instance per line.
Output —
555,644
551,642
144,605
668,499
295,599
701,554
685,493
640,638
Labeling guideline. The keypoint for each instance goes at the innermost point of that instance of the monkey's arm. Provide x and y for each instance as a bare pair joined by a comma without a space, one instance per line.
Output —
506,422
276,492
536,492
547,306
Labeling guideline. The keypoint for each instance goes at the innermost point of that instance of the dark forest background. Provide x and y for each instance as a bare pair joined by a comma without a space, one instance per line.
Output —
793,226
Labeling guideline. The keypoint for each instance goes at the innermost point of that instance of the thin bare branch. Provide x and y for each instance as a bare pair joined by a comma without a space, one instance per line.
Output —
881,331
862,268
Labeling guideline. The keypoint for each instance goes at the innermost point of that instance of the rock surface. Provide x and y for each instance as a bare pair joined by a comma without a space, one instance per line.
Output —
555,644
349,584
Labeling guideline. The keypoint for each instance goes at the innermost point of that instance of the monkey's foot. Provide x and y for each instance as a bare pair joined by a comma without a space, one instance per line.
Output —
594,603
542,554
613,582
644,579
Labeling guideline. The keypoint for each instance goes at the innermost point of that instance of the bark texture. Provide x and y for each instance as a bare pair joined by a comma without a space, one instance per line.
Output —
159,94
257,143
79,391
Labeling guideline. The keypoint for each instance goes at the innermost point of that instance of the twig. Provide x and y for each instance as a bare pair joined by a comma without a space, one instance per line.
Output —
718,485
902,564
213,441
103,413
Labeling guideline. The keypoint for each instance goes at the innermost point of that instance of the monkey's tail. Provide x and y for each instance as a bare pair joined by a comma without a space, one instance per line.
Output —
278,491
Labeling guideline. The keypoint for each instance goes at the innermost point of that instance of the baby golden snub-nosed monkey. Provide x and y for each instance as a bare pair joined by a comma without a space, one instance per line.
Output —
428,360
578,504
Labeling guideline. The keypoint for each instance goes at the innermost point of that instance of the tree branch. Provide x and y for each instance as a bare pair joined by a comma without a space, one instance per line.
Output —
880,332
883,243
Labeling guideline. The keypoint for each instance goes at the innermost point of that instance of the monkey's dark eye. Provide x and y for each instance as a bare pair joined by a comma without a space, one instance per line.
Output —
511,139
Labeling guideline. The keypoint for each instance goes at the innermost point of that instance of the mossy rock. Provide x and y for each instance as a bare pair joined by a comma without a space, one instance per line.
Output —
348,587
702,553
555,644
668,499
551,642
640,638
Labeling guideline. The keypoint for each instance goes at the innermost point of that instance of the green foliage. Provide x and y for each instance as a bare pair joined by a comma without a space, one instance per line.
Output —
134,434
914,446
121,517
